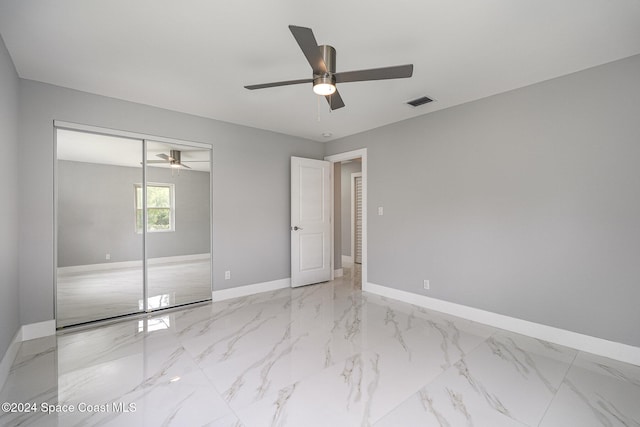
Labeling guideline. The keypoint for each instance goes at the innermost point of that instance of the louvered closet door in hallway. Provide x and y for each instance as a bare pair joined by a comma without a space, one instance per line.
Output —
358,220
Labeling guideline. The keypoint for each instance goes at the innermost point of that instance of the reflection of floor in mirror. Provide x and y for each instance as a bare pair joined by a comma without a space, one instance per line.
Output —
100,294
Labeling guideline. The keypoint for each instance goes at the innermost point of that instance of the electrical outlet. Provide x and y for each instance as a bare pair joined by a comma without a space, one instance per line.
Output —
227,275
107,256
380,210
426,285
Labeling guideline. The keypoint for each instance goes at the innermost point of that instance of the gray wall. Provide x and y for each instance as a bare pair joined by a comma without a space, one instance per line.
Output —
526,203
250,174
9,319
96,214
345,193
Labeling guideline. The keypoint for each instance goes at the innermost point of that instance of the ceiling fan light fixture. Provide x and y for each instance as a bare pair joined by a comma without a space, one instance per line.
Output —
324,85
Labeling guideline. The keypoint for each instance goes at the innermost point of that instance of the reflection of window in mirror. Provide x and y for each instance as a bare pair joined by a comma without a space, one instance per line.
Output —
160,207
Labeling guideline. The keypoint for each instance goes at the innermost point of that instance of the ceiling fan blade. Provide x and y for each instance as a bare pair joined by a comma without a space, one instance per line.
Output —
157,161
285,83
335,100
164,156
307,42
182,165
395,72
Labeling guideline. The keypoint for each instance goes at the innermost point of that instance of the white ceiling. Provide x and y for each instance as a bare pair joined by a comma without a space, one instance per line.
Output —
195,56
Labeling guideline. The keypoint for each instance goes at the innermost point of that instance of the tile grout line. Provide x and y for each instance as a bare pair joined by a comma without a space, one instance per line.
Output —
555,395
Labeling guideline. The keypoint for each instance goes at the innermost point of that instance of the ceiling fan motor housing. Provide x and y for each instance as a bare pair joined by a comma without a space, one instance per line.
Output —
175,156
329,57
324,83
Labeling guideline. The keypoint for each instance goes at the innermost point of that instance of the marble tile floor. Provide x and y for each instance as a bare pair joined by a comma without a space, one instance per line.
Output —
321,355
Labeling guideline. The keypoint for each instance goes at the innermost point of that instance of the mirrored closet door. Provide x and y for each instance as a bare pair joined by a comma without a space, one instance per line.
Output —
99,253
133,225
178,238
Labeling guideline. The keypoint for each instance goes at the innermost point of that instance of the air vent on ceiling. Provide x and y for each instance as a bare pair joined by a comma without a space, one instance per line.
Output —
420,101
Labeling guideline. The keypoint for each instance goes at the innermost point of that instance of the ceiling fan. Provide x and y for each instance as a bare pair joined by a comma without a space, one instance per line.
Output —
173,159
323,63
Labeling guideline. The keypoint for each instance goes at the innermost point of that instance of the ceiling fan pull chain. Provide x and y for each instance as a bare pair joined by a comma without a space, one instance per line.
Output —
318,108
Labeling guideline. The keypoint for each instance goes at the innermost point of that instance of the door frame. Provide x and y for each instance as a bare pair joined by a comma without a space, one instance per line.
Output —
337,158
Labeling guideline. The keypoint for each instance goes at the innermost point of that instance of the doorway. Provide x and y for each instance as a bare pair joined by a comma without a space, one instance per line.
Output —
133,224
346,246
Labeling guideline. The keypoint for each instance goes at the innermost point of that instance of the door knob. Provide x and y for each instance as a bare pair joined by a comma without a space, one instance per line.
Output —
296,228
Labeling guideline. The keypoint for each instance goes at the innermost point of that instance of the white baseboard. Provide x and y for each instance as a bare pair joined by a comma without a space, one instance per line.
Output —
245,290
131,264
338,272
25,333
613,350
178,258
9,357
38,330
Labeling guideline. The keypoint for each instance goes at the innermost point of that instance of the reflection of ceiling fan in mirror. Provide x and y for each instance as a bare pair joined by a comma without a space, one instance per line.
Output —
173,159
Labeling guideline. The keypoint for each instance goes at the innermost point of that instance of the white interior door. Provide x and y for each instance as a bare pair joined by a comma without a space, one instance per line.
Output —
310,221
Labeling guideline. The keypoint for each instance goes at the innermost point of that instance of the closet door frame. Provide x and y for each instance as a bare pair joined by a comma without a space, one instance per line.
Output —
144,138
